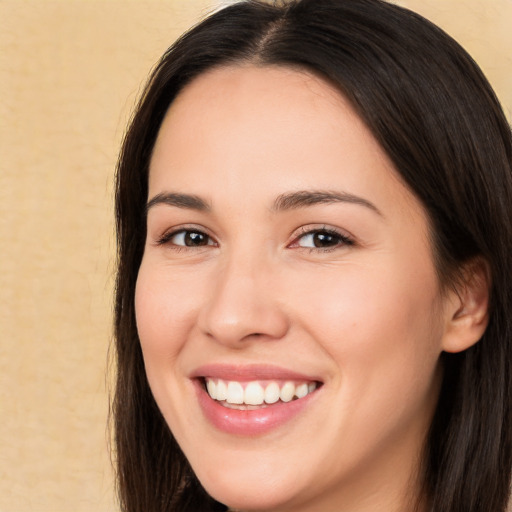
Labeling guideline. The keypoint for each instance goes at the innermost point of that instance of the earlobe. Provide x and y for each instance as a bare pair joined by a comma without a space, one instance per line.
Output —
467,308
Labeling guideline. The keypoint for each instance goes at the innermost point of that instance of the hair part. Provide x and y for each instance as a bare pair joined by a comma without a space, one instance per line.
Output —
435,115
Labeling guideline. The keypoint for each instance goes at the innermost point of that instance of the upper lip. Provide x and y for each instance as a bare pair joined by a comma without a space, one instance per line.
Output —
250,372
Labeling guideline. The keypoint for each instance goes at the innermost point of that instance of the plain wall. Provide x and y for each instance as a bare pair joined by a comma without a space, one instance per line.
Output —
70,72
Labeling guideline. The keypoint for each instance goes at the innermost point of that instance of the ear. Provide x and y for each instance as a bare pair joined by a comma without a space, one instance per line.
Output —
467,307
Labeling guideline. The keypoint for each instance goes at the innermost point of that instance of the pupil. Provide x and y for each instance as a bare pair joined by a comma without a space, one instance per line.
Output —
192,238
324,240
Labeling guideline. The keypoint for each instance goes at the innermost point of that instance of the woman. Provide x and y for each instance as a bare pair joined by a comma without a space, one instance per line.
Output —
314,285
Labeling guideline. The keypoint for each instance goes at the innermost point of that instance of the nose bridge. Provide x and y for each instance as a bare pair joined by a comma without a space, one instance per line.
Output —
243,302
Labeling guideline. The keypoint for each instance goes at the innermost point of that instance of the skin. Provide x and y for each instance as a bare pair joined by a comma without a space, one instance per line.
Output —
366,317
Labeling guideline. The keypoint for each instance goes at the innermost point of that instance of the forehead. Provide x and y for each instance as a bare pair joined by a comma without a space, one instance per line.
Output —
266,128
250,98
269,85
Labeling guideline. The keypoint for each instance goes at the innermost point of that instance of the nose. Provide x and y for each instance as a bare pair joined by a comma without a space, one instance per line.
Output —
243,305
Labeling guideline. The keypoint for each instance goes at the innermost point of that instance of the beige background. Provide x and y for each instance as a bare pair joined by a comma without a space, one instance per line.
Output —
70,71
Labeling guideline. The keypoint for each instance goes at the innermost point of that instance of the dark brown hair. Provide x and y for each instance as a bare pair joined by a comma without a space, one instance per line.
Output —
433,112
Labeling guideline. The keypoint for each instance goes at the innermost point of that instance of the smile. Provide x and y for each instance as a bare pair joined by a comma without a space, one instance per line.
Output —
253,400
243,395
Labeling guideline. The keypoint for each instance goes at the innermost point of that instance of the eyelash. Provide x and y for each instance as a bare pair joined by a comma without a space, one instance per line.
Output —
167,237
342,239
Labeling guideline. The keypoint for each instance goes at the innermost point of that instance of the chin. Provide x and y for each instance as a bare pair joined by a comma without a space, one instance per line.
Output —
247,501
250,492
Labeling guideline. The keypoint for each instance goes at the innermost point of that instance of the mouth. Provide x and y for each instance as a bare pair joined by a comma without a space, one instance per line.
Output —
253,400
256,394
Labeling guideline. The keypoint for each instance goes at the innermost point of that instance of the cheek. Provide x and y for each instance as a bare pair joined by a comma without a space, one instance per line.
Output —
384,338
381,327
164,313
369,301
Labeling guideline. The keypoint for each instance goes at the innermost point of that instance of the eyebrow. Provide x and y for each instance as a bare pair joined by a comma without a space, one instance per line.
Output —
187,201
284,202
305,198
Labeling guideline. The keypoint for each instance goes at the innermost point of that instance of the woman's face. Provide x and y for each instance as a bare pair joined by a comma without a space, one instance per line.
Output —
285,260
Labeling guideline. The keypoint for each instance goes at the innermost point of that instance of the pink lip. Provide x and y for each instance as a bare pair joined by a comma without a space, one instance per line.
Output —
249,422
249,372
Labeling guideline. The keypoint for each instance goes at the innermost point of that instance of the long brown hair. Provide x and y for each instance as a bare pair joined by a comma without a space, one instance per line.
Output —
437,118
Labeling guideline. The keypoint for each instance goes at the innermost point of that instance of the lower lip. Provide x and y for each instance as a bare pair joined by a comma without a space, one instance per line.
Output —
249,422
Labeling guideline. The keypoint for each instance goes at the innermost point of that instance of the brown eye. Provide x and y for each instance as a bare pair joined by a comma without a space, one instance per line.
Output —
188,238
321,239
193,239
325,240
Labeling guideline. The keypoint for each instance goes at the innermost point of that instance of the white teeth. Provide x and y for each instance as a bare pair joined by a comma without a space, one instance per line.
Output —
253,394
222,390
233,392
287,392
301,390
211,387
272,393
